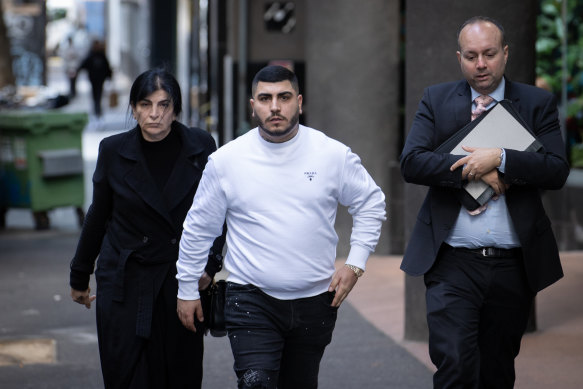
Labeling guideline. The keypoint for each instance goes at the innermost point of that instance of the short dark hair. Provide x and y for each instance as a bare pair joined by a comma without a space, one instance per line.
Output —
155,79
275,73
478,19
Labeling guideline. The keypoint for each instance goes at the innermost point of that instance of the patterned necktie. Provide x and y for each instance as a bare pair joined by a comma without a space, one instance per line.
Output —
482,102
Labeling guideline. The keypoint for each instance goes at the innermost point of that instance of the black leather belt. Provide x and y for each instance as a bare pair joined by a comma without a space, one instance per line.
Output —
493,252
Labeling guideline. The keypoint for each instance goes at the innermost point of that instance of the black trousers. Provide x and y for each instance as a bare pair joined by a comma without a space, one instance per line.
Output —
477,311
72,87
96,93
171,358
277,343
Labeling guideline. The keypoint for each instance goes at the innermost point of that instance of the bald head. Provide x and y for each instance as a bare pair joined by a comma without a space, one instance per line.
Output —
482,54
483,19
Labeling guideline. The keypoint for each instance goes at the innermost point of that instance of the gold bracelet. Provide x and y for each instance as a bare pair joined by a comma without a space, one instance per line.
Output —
358,271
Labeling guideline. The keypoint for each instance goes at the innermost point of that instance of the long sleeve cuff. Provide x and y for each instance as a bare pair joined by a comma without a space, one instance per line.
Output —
188,290
78,280
358,256
502,167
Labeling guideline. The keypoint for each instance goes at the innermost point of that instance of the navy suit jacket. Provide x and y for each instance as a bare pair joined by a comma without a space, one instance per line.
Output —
445,109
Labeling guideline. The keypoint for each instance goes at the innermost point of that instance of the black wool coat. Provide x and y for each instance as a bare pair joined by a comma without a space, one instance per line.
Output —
135,229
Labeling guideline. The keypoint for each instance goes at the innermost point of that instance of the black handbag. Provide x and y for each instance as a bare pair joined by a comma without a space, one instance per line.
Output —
213,308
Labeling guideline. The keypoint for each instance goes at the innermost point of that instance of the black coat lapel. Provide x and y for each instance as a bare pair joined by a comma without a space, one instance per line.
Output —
187,170
138,176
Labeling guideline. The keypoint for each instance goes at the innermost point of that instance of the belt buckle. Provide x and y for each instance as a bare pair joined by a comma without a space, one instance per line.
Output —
484,252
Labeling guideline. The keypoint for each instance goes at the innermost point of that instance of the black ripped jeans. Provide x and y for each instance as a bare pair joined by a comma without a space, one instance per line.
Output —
277,343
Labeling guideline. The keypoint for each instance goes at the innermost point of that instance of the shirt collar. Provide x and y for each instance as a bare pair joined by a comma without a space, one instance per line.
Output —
497,95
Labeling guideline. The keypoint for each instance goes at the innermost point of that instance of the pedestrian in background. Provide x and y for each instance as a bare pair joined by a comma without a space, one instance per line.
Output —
71,59
279,186
143,186
98,70
482,269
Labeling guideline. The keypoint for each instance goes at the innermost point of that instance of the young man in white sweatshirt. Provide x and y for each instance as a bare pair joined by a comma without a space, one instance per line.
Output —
278,186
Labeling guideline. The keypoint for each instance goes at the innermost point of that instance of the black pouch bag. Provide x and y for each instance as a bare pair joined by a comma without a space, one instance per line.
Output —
213,307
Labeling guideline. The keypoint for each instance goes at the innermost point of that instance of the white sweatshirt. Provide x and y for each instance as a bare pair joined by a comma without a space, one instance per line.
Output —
280,202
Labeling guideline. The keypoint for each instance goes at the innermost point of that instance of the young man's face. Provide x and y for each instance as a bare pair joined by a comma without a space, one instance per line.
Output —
482,57
277,108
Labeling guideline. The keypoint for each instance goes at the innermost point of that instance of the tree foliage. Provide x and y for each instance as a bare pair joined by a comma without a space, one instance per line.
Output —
549,65
549,48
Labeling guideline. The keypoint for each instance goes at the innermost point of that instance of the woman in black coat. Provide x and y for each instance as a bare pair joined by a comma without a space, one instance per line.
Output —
143,186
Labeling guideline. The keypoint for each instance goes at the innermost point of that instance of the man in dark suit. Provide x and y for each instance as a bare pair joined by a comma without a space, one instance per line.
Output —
482,269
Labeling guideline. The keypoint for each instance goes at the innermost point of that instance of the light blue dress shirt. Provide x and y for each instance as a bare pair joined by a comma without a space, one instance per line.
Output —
493,227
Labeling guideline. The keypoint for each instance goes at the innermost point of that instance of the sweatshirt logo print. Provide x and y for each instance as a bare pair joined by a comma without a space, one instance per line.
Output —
310,175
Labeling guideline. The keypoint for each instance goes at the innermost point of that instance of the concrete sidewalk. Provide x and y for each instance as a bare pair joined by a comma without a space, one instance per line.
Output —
551,357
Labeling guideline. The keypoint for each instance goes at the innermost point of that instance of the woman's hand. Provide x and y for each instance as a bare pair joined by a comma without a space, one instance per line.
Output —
83,297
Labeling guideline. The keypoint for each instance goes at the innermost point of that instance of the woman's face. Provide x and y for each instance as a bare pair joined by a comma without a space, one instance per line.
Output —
155,114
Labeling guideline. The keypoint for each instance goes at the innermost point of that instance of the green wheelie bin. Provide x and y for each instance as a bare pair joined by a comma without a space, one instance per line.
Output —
41,163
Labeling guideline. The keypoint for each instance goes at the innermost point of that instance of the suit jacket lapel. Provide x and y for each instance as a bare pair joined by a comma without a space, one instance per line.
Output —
138,176
463,104
511,96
